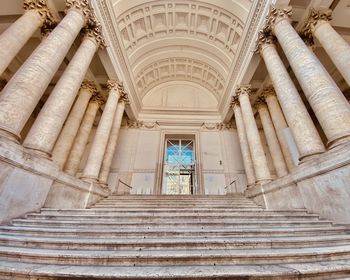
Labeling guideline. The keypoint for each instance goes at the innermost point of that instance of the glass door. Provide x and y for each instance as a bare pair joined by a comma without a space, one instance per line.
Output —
179,176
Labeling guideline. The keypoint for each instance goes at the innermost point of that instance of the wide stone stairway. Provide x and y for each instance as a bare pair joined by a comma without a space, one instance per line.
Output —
177,237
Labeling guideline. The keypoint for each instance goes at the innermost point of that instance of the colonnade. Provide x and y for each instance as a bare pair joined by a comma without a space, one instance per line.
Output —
61,130
280,106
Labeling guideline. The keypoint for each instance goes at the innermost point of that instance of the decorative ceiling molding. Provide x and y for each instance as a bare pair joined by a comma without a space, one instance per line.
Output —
175,69
201,20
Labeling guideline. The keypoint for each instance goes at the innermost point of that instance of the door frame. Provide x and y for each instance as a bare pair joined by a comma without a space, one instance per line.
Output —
180,134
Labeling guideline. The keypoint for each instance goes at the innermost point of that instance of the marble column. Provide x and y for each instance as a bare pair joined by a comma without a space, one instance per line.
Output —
14,38
325,98
47,126
247,159
112,142
81,140
98,148
262,172
271,138
69,131
336,47
24,90
305,134
279,123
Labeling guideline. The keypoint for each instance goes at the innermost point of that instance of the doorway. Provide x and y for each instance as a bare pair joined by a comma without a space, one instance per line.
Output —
179,166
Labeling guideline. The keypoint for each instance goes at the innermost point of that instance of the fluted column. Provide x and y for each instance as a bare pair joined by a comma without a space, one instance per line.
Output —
325,98
279,123
14,38
24,90
336,47
112,143
47,126
305,134
80,142
99,144
66,139
271,138
262,172
247,159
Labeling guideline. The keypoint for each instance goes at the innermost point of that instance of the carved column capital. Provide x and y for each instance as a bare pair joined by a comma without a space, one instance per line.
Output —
265,38
123,95
93,30
276,15
112,85
268,91
234,102
315,19
81,6
41,7
259,103
244,89
89,85
47,28
97,97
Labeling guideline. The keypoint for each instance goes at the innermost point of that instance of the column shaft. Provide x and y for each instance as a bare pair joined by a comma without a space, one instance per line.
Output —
279,124
325,98
14,38
272,141
47,126
79,145
66,139
308,141
247,159
112,144
24,90
99,144
261,168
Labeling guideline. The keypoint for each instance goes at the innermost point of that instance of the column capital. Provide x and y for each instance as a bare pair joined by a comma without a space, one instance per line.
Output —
41,7
97,98
307,37
89,85
260,103
112,85
123,95
47,28
276,15
80,5
244,89
93,30
234,102
265,38
315,18
268,91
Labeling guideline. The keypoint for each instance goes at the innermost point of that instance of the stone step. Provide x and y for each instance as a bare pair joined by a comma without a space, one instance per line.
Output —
171,223
195,232
173,216
140,211
174,257
329,270
213,243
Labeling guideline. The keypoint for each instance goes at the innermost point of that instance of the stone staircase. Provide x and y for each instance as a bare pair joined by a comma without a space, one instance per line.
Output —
177,237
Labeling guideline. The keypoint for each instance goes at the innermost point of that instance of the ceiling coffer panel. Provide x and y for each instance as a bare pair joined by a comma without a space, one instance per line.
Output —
203,21
180,69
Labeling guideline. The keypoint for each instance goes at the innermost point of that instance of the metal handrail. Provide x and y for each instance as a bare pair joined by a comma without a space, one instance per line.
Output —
234,181
125,184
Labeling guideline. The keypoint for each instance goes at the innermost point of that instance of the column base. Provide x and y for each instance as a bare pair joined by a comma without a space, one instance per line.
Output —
38,153
90,179
263,181
338,142
306,158
13,137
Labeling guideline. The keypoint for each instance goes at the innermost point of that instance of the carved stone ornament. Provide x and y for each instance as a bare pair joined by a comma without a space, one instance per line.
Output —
276,15
307,37
247,89
41,7
112,84
140,124
97,97
123,95
260,102
234,101
93,30
80,5
216,126
265,37
47,28
269,90
89,85
314,18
